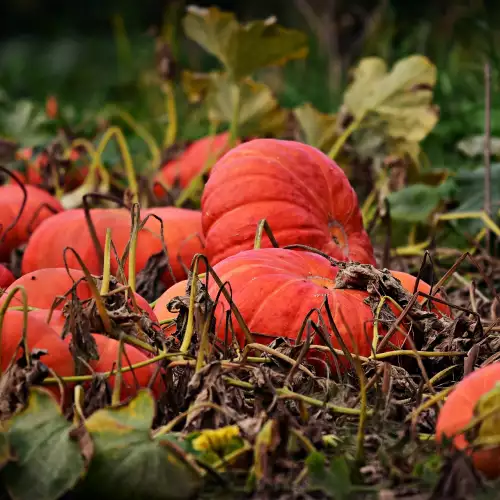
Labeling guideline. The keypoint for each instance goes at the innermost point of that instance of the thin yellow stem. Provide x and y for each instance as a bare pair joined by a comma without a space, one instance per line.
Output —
171,131
106,272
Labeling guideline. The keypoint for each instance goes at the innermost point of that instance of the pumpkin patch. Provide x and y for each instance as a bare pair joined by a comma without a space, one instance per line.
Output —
212,288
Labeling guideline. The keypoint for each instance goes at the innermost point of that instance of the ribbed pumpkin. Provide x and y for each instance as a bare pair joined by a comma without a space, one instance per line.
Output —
274,289
305,197
182,233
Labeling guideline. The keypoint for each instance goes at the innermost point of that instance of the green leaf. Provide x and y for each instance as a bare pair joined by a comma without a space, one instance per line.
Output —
334,480
417,202
48,460
429,469
473,146
399,101
129,463
319,129
259,113
470,194
5,453
25,123
243,48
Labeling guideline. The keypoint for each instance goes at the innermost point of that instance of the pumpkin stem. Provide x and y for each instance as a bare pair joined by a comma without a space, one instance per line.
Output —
141,132
136,220
136,366
101,308
115,397
128,164
162,239
204,344
36,214
261,227
234,125
24,335
188,335
171,131
106,272
339,143
79,399
95,167
239,318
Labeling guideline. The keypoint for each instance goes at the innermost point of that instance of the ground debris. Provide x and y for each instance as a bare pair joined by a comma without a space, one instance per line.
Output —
16,380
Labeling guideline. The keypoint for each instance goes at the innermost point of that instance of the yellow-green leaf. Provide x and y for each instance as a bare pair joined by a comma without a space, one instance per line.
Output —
488,408
319,129
243,48
259,112
398,102
128,463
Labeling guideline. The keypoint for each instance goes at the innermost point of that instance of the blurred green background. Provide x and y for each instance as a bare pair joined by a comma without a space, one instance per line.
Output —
93,53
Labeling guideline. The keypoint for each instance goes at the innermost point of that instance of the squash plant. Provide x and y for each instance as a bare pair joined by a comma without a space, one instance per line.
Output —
242,48
231,96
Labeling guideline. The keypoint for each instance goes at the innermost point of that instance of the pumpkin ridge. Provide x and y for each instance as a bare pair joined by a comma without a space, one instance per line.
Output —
302,201
269,297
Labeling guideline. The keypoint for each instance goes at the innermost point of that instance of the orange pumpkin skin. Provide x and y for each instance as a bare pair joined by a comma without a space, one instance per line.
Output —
458,411
191,162
408,281
181,227
274,289
33,215
39,336
304,196
6,277
108,356
57,319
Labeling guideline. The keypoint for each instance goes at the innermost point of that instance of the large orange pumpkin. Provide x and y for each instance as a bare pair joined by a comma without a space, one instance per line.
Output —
458,411
305,197
274,289
181,227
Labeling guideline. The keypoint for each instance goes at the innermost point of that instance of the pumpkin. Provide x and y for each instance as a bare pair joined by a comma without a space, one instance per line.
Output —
6,277
274,289
182,170
131,381
44,285
408,281
40,335
54,318
304,196
458,411
34,214
182,233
